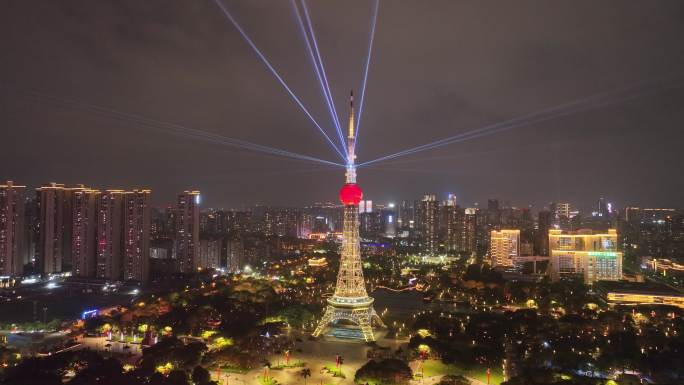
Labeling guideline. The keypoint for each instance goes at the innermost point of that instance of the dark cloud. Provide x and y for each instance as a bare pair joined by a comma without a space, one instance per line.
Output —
439,68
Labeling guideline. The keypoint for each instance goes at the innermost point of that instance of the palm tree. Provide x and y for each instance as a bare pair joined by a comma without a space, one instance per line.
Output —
304,373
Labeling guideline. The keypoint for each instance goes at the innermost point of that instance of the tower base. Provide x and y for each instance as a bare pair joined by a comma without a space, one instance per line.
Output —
364,317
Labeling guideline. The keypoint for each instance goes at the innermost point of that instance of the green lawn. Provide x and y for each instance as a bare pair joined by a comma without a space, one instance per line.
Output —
331,369
295,364
438,368
233,369
267,380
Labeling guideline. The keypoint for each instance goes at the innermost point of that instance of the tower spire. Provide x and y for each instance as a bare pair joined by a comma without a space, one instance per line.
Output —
351,143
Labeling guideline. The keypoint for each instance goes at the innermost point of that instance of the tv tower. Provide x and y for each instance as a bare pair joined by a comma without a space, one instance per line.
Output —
350,301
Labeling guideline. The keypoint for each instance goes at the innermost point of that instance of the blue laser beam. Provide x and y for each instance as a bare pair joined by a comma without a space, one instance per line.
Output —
585,104
322,68
261,56
175,129
365,71
320,75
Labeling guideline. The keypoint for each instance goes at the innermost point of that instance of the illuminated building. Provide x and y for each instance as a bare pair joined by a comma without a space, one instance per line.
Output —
639,293
109,232
54,228
450,223
592,255
209,253
429,224
318,262
84,225
235,254
561,210
652,232
136,235
12,236
187,231
504,247
350,301
388,220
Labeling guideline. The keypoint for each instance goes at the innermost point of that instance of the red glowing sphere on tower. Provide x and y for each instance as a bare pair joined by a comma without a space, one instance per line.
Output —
351,194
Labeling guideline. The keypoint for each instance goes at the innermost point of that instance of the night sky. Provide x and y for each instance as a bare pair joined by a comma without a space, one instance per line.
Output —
438,68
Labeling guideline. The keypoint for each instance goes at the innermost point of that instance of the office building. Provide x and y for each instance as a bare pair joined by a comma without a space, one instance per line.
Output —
591,255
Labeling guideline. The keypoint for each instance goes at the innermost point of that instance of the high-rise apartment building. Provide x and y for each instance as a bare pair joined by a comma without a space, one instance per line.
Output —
54,228
429,222
83,237
12,234
109,235
187,231
504,247
592,255
136,235
210,253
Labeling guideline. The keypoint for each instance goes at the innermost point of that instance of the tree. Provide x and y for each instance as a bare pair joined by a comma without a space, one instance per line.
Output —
304,373
451,379
177,377
389,371
200,376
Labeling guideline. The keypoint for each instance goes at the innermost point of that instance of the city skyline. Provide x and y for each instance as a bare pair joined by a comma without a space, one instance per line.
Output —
198,72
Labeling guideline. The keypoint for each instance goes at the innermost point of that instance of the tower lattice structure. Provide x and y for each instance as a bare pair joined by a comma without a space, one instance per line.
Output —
350,301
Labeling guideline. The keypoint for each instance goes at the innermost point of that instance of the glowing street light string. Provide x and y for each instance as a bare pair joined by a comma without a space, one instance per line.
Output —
585,104
275,73
177,129
365,71
320,72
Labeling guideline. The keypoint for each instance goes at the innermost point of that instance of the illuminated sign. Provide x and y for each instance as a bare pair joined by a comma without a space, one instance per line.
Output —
89,314
602,254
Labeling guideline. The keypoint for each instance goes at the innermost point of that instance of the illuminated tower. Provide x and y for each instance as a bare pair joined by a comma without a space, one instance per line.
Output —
350,302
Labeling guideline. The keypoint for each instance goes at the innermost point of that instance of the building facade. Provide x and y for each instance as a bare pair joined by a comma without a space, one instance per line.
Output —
504,247
592,255
429,225
136,236
83,238
187,231
12,234
109,235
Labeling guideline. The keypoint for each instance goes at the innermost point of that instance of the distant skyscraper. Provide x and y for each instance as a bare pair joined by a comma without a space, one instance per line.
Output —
504,247
466,230
187,231
84,225
429,220
109,235
136,236
235,254
12,235
561,210
451,225
544,223
593,256
210,253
